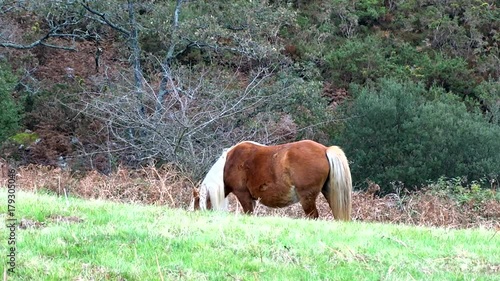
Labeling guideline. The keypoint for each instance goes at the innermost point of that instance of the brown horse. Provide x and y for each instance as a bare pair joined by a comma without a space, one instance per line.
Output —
279,176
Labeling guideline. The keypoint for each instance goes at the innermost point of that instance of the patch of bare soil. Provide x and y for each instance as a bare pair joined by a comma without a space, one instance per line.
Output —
34,224
65,219
29,223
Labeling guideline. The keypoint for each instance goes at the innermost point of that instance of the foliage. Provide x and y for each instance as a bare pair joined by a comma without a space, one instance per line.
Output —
369,11
218,30
214,52
446,41
24,138
9,109
489,94
465,192
373,57
395,134
305,103
451,74
359,60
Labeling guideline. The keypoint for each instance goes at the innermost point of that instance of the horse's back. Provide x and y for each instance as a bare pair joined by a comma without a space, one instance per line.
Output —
305,154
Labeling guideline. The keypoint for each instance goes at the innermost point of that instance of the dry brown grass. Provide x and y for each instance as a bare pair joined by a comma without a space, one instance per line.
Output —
417,208
149,185
169,186
425,208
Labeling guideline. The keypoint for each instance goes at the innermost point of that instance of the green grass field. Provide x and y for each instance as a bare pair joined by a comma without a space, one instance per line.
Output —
99,240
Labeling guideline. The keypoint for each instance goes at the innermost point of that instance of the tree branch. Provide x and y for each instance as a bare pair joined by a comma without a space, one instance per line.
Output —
41,42
34,44
104,19
166,77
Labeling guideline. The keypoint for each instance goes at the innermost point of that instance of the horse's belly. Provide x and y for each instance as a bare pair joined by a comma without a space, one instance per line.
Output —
276,196
277,204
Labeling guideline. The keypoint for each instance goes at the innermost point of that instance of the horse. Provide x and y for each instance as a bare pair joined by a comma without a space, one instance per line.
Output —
279,176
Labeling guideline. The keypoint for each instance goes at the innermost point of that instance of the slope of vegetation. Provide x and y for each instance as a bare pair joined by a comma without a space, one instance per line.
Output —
112,92
410,89
72,239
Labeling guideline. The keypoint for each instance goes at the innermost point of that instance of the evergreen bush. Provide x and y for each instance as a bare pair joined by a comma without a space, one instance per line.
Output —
394,132
9,110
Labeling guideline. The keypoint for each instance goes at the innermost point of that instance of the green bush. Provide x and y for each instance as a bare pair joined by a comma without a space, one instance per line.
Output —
369,11
452,74
303,101
394,133
24,138
9,110
359,60
372,57
464,192
488,93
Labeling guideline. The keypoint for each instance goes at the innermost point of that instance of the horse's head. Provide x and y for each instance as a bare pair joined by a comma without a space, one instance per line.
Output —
195,201
200,200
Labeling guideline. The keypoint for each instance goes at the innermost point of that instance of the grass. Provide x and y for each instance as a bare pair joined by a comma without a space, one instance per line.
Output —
116,241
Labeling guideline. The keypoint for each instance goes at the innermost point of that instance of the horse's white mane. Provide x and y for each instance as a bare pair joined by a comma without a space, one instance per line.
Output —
213,185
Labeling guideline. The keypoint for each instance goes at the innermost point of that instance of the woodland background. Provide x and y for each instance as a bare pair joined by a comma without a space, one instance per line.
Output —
409,89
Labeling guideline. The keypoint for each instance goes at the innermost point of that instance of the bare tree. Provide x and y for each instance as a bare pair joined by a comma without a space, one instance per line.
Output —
163,110
193,112
200,116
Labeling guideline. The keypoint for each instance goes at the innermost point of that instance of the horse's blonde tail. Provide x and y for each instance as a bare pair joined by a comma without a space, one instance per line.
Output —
340,184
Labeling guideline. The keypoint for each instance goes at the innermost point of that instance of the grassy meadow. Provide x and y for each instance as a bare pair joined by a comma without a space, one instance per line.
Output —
73,239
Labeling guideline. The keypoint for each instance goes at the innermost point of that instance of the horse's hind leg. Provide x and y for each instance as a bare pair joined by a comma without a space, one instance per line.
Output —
326,192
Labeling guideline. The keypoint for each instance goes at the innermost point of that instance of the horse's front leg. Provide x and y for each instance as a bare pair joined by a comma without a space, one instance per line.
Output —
246,200
309,206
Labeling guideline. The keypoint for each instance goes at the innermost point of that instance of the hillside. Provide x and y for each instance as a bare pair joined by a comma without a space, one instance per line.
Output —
73,239
111,112
409,89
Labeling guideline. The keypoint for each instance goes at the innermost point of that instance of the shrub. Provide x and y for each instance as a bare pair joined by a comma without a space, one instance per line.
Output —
488,93
9,110
24,138
359,60
393,134
306,105
451,74
369,11
373,57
